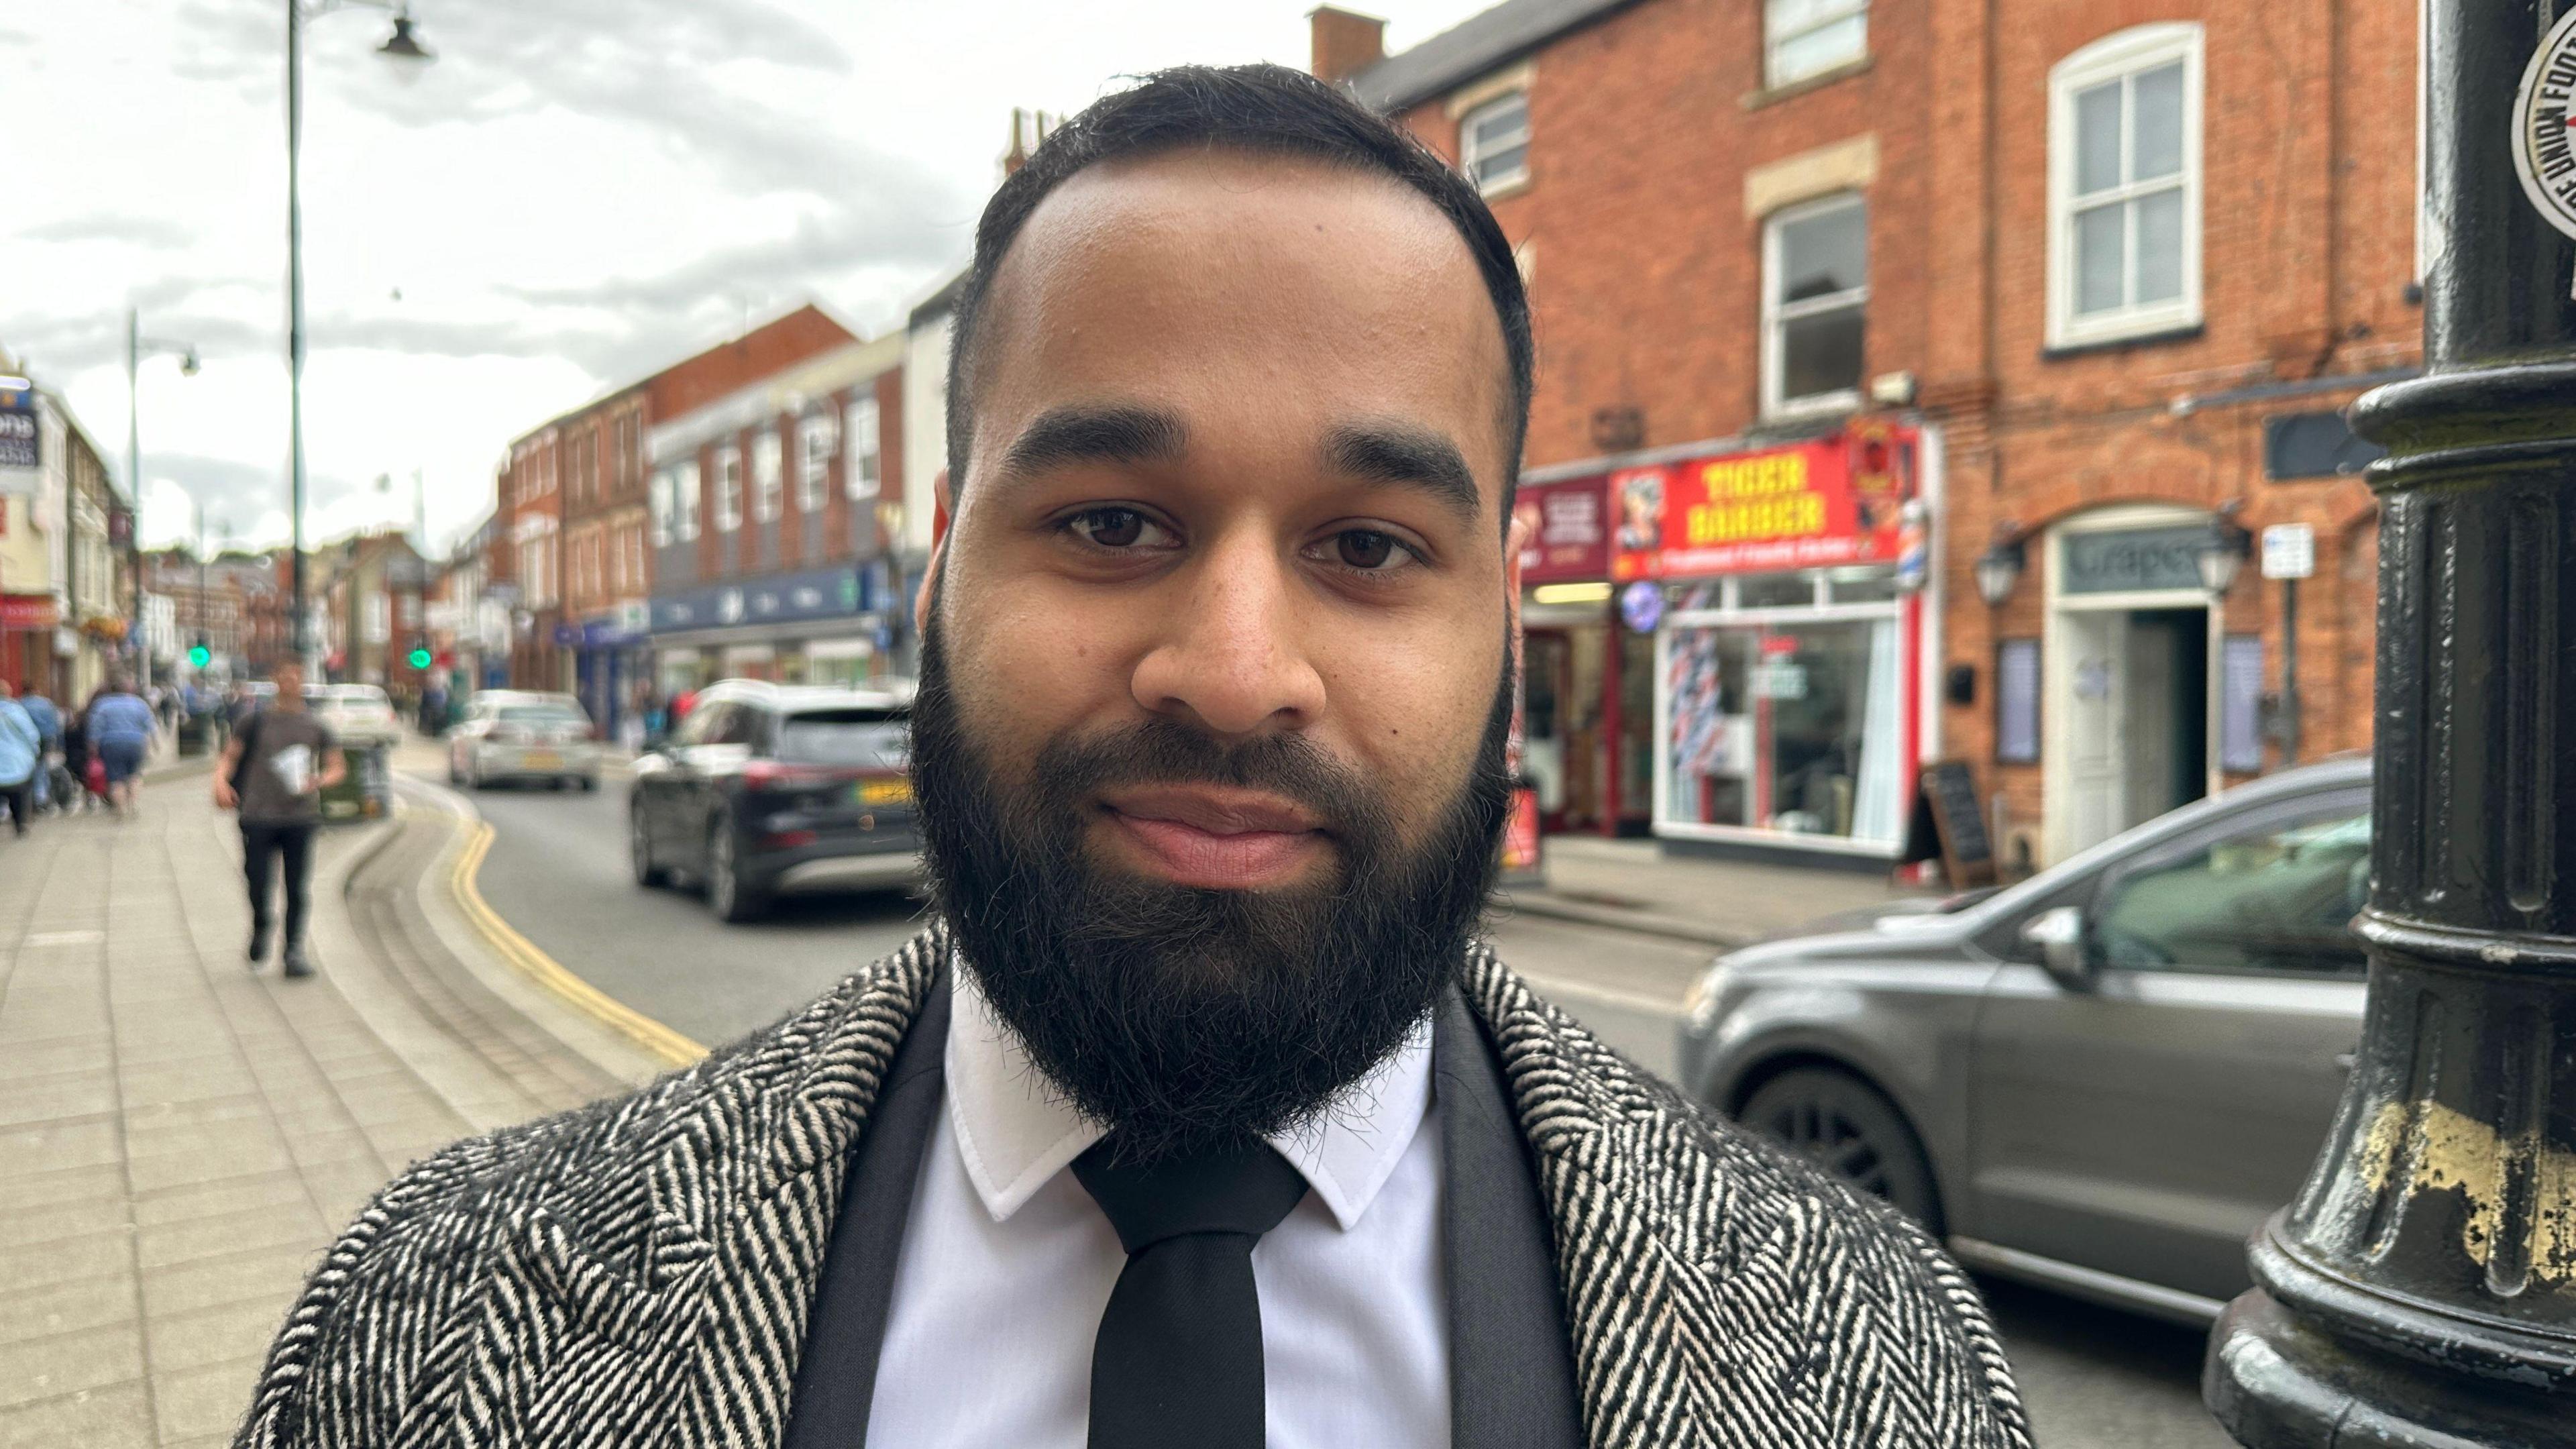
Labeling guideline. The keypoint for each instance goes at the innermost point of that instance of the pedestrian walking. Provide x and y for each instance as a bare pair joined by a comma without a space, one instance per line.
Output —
22,753
273,772
1199,1114
49,734
120,736
76,795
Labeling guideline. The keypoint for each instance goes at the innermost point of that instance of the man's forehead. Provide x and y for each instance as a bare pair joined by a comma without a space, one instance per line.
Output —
1207,269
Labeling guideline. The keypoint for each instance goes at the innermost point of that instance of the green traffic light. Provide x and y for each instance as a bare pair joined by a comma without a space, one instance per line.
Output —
198,656
420,659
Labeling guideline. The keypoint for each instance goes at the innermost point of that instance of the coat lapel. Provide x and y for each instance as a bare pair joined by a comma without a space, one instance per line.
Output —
678,1317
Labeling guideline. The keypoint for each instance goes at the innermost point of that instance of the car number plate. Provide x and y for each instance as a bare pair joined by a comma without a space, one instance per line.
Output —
884,792
541,760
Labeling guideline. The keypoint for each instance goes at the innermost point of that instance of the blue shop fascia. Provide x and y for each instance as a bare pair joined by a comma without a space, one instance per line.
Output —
842,624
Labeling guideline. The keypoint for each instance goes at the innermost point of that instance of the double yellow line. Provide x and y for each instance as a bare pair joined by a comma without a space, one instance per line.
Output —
661,1041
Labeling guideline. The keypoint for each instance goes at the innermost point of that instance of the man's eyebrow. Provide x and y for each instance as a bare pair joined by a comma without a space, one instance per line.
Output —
1410,456
1075,434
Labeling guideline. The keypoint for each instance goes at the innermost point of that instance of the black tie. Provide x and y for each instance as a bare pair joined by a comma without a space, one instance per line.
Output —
1178,1360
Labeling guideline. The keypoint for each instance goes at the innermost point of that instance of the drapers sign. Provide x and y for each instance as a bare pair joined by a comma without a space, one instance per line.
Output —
1569,531
780,599
2132,560
1830,501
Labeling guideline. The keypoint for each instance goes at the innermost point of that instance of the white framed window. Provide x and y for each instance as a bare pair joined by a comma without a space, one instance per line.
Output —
2124,186
634,560
1801,38
1815,297
815,440
1493,142
685,492
865,465
663,485
768,476
728,489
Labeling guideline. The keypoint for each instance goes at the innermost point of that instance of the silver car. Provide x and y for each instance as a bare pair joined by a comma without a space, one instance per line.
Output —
513,734
2102,1079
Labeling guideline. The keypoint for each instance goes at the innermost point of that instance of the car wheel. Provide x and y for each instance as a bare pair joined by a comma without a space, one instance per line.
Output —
556,783
726,895
639,849
1850,1129
589,782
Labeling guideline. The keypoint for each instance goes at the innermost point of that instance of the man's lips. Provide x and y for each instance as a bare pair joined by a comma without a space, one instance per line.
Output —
1215,838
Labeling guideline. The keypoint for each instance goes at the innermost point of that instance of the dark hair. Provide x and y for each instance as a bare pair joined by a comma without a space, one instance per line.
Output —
1268,109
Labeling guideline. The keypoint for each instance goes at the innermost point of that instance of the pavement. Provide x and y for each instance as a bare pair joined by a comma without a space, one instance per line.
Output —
181,1137
1633,885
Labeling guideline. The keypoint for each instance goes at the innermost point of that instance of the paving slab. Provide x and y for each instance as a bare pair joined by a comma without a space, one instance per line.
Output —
182,1136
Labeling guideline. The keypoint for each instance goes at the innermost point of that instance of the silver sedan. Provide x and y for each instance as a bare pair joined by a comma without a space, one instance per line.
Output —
2102,1079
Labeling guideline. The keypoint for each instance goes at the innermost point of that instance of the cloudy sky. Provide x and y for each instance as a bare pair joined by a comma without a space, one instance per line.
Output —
577,193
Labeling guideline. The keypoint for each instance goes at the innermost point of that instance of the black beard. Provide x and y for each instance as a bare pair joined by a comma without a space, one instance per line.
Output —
1183,1018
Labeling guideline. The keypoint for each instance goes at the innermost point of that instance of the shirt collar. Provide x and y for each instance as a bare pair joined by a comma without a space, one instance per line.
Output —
1016,1131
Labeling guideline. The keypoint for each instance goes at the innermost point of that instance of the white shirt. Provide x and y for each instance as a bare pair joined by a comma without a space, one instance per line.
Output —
1007,1263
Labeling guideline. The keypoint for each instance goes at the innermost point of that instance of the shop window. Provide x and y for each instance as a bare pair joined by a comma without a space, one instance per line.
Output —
728,490
1815,290
1802,38
865,462
1860,585
1776,591
768,476
2124,186
1493,142
1789,727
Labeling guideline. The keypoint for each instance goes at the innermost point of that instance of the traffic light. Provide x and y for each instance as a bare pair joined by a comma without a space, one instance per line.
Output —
199,654
419,657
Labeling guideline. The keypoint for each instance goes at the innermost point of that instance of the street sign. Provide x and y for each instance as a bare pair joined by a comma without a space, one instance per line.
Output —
2544,142
2289,551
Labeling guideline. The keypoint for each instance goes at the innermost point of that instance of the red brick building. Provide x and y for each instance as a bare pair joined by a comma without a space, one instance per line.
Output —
1831,297
569,541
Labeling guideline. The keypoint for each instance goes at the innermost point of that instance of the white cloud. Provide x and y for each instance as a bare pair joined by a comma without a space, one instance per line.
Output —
576,193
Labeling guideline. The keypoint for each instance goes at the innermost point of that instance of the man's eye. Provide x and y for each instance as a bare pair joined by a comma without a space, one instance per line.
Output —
1370,551
1114,527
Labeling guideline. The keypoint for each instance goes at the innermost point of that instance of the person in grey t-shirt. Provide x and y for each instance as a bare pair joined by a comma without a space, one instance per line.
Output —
274,770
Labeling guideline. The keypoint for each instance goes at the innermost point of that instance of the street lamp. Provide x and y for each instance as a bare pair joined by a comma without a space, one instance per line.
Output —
2422,1288
2223,551
407,56
138,347
1999,568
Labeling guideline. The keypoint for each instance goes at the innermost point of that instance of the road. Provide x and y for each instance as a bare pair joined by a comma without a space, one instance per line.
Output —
558,872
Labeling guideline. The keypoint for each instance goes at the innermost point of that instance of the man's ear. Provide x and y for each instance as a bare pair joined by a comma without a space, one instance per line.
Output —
929,576
1514,541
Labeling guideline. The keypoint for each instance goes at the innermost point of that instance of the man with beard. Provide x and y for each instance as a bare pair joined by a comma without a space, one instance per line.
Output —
1200,1117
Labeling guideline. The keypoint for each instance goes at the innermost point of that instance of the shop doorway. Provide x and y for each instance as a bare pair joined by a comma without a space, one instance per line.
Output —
1563,750
2128,676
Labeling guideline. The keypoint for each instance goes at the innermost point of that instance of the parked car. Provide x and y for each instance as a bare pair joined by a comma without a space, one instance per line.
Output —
359,716
516,734
767,789
2102,1079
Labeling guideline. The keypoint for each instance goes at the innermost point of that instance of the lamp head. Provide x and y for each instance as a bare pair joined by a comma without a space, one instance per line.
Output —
1998,569
404,52
188,363
2223,552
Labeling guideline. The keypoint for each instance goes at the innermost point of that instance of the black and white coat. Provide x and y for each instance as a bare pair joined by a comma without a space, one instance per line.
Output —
639,1272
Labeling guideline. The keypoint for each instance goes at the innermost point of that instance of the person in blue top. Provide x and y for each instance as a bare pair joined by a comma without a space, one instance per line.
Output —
21,750
120,731
49,733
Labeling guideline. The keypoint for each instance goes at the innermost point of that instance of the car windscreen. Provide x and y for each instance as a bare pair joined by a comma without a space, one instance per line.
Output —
860,737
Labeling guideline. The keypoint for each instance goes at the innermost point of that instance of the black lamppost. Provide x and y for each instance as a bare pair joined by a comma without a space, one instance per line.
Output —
2422,1290
407,56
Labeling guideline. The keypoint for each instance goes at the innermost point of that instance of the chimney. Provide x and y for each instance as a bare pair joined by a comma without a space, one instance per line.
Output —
1028,131
1345,42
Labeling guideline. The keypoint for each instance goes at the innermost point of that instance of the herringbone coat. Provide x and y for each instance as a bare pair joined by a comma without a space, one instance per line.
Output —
639,1272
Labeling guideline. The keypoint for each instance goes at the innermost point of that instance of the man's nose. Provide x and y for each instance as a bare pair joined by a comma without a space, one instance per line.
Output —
1232,655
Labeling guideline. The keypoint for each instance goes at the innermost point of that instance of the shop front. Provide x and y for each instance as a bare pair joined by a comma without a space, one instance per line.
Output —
1782,590
613,665
818,626
1587,685
29,627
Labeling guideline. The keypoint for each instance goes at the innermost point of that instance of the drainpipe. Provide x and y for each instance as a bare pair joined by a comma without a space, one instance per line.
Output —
2422,1289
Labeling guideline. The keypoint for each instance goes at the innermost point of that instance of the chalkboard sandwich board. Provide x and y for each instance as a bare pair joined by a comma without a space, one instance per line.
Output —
1949,823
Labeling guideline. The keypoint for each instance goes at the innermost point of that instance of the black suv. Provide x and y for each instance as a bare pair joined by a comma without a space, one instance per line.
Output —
771,788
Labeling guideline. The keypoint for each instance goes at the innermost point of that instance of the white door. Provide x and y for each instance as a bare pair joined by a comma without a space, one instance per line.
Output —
2096,645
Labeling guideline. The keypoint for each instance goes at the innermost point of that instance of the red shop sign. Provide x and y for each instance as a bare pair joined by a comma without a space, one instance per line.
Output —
28,611
1831,501
1569,532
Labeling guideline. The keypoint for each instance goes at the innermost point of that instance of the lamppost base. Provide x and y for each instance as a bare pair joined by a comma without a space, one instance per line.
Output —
2277,1381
